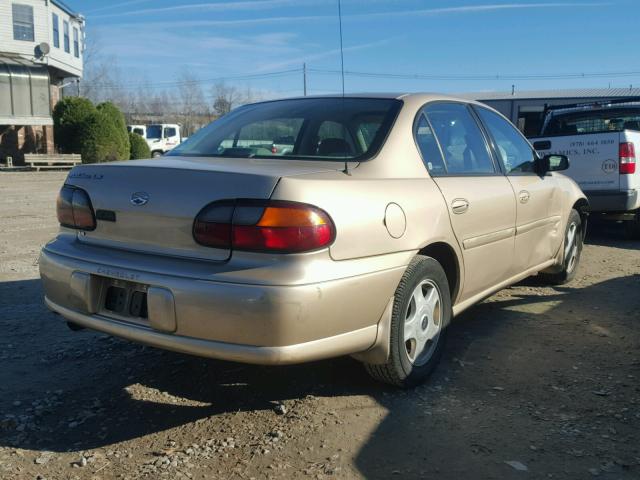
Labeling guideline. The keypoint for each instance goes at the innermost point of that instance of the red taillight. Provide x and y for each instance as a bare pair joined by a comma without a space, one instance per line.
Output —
74,209
627,163
263,226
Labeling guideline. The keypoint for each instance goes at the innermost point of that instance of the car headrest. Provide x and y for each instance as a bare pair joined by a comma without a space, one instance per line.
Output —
334,147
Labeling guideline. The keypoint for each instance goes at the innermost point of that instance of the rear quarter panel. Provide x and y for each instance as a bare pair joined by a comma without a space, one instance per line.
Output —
358,207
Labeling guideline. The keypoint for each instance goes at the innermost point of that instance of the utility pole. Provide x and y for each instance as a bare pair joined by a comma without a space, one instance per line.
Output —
304,78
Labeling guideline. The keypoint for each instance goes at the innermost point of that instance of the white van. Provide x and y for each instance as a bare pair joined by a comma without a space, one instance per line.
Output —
161,137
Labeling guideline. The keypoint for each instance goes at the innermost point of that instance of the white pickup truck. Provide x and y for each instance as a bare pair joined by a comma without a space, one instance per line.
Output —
601,142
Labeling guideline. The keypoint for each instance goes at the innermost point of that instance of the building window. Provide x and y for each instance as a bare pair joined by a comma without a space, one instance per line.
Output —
56,30
76,45
22,22
66,37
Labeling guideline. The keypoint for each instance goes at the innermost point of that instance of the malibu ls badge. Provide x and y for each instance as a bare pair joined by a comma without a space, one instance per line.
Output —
139,198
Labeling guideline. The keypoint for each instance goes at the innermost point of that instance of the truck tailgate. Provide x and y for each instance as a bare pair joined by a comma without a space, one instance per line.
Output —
593,158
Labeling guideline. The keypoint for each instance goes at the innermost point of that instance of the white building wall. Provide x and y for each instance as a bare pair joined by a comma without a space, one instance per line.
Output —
43,32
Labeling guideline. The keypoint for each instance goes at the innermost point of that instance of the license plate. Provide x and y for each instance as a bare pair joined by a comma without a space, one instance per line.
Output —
126,299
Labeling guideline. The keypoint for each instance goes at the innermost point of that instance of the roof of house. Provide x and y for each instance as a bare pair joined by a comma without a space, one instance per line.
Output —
557,94
66,8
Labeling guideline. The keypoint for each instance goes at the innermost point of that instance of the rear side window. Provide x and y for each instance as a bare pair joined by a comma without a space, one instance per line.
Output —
428,146
314,128
463,145
513,150
170,132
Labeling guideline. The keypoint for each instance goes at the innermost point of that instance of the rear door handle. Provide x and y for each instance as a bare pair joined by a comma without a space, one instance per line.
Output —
459,205
524,196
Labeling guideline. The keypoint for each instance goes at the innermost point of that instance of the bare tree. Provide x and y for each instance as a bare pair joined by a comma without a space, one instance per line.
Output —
191,101
224,98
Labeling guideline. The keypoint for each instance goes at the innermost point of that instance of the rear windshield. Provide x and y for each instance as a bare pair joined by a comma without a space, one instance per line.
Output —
313,129
594,121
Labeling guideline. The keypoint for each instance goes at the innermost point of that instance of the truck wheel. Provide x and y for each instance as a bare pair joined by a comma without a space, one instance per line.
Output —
633,227
573,242
156,153
419,320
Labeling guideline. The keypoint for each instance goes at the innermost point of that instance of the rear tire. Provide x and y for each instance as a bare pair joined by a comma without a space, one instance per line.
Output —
573,242
419,321
632,227
156,153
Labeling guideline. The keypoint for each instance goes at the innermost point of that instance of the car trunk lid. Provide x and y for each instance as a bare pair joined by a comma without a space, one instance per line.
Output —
154,202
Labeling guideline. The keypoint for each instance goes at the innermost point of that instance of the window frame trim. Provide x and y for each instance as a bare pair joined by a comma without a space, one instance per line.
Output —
76,42
421,111
66,40
21,24
55,30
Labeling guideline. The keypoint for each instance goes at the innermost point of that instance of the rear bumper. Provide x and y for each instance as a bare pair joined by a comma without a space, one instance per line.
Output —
252,323
612,200
342,344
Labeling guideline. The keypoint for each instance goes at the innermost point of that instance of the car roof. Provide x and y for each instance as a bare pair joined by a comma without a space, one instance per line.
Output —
407,97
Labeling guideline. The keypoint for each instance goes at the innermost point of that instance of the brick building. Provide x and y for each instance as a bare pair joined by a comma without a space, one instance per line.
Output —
41,50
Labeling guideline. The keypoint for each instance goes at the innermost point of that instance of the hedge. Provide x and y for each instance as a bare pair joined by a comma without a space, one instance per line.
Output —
139,147
99,139
120,135
69,115
99,133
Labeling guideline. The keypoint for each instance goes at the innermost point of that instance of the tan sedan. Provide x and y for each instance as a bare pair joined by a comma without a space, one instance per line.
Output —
384,217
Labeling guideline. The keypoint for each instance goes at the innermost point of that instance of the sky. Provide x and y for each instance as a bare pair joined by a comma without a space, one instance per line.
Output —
388,45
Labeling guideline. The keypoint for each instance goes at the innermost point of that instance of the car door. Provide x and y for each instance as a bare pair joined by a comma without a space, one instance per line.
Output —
538,215
479,198
171,138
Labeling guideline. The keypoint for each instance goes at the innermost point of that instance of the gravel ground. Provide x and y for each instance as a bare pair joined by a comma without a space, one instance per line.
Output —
536,382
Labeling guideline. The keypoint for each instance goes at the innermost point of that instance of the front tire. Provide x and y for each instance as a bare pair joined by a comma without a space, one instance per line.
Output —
419,321
573,242
156,153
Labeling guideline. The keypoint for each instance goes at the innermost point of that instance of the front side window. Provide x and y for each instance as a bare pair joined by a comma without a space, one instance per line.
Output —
66,37
170,132
56,30
154,131
301,129
461,141
76,43
22,22
514,151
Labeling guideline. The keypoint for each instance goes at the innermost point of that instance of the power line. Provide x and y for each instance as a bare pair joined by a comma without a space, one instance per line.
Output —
498,76
197,81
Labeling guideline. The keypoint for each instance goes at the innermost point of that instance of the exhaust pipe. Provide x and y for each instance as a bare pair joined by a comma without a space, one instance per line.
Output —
74,326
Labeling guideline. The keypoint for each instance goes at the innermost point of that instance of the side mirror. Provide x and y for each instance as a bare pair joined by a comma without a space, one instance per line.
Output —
552,163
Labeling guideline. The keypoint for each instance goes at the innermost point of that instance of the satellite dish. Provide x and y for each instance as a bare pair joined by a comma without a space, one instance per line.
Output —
44,48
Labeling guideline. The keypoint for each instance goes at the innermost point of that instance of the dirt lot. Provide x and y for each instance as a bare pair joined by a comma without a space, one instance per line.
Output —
537,382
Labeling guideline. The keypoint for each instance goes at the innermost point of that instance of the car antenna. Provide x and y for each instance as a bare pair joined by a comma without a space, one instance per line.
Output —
346,163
